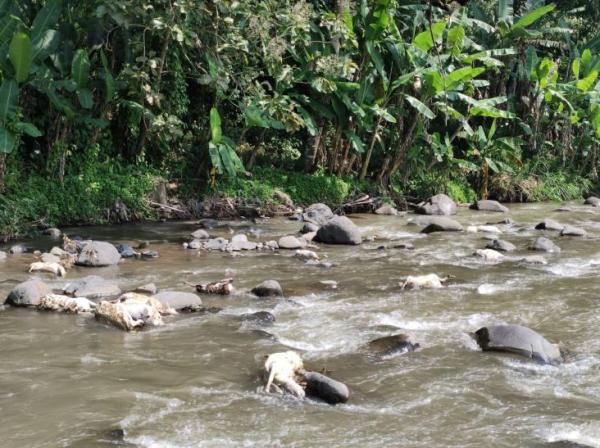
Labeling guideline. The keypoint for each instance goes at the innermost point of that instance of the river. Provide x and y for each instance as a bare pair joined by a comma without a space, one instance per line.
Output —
66,381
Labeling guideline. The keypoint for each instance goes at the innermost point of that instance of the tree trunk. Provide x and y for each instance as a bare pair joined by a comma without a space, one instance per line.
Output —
365,167
310,156
2,170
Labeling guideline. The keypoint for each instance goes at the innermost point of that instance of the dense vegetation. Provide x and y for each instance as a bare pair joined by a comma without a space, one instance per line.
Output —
477,98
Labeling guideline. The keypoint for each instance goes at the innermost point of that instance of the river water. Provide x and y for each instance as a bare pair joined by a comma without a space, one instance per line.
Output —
66,381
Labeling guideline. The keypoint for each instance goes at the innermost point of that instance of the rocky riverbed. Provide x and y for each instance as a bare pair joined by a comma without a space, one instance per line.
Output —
416,373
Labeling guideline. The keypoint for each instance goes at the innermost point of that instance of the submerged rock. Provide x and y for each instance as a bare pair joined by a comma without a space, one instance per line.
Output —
125,250
28,293
49,258
572,231
442,224
53,232
216,244
489,254
98,253
339,230
593,201
396,344
534,259
519,340
149,254
318,214
200,234
290,242
549,224
440,204
259,318
268,288
18,249
93,287
325,388
180,301
387,210
501,245
544,244
486,205
309,227
149,288
306,255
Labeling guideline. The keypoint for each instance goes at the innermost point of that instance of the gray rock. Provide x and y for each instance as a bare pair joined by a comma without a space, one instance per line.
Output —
125,250
549,224
544,244
216,244
28,293
244,245
195,244
318,214
309,227
442,224
290,242
239,238
200,234
53,232
534,259
309,236
518,339
18,249
149,254
98,253
408,246
440,204
92,287
339,230
325,388
572,231
180,301
283,198
49,258
392,345
593,201
485,205
57,251
387,210
501,245
149,288
268,288
259,318
505,221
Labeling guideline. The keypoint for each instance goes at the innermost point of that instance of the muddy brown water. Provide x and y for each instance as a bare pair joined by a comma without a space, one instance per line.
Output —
66,381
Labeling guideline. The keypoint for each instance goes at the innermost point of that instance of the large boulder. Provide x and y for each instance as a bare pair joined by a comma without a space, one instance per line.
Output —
180,301
18,249
216,244
309,227
572,231
549,224
485,205
339,230
501,245
442,224
544,245
92,287
517,339
593,201
325,388
440,204
98,253
318,214
28,293
291,242
268,288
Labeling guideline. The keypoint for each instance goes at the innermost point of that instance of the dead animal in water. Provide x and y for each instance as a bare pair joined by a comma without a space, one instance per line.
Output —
65,304
431,281
69,245
132,311
53,268
282,369
223,287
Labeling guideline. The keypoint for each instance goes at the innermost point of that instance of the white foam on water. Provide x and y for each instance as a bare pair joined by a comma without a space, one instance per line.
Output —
88,358
487,289
587,434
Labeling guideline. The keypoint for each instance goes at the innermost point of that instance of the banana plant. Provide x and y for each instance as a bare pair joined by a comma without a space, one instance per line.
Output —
222,149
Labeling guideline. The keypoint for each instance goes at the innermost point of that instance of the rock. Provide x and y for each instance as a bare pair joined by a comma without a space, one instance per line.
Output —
53,232
306,255
489,254
125,250
260,318
505,221
149,254
386,210
28,293
180,301
501,245
268,288
325,388
318,214
308,237
339,230
408,246
549,224
216,244
271,244
194,244
518,339
397,344
18,249
2,255
440,204
283,198
534,259
149,288
145,244
563,209
239,238
593,201
92,287
442,224
486,205
243,245
57,251
290,242
572,231
329,284
544,244
98,253
309,227
200,234
49,258
430,281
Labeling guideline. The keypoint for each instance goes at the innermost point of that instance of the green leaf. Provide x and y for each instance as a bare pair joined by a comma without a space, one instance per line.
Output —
456,77
586,60
45,45
575,68
215,157
86,98
20,55
9,98
357,143
109,81
309,123
533,16
45,19
587,83
230,159
7,28
377,61
215,126
29,129
419,106
61,103
492,165
492,130
426,39
253,117
7,141
456,37
80,68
